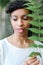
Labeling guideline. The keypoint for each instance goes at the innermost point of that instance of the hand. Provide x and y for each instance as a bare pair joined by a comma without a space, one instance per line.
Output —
32,61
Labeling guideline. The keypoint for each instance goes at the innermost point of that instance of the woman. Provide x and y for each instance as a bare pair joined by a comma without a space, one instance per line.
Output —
14,50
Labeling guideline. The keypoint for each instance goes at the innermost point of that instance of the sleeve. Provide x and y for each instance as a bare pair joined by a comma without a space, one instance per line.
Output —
41,51
1,54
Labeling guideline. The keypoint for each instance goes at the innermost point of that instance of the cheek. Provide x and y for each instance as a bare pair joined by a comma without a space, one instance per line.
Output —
13,24
26,24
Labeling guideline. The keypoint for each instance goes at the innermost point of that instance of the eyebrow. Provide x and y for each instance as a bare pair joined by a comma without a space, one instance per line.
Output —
16,15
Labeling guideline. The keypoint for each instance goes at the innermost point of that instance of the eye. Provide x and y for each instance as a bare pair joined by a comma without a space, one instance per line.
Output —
15,18
25,17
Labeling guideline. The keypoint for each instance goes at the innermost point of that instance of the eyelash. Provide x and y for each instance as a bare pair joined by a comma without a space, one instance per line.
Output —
25,18
15,19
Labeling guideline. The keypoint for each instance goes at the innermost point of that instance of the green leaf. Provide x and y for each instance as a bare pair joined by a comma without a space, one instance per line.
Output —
40,46
41,31
35,54
41,17
38,10
34,30
33,45
28,4
33,38
31,15
34,4
34,9
41,38
30,8
36,16
38,4
3,3
41,24
35,23
30,0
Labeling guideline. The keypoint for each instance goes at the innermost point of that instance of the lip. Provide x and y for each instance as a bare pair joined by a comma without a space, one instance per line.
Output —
20,30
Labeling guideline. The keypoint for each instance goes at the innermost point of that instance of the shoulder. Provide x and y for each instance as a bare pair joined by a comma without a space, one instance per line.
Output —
1,50
2,41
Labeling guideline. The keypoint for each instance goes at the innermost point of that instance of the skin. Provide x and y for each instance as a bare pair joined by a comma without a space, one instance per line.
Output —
32,61
19,38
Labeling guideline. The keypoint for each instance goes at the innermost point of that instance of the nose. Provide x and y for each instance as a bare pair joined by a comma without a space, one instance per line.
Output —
20,22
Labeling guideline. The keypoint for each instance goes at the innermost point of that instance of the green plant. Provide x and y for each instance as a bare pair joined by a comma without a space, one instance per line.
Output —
3,3
36,22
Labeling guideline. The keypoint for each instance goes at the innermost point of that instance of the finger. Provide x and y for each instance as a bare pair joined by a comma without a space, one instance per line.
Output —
39,64
25,63
35,63
31,60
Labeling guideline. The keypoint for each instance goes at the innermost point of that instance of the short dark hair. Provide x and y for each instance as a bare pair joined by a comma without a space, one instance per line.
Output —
17,4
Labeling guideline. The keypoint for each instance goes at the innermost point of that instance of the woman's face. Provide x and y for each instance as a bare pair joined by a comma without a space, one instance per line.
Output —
19,21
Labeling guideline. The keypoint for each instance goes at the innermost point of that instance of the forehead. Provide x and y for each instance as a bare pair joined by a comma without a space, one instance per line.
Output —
20,12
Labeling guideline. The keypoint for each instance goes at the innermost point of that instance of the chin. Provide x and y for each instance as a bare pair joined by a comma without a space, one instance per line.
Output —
20,34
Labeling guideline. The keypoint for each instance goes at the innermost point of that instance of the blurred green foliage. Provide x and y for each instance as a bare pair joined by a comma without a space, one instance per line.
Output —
3,3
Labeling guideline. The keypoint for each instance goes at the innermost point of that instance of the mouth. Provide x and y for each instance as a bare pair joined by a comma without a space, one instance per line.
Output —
20,30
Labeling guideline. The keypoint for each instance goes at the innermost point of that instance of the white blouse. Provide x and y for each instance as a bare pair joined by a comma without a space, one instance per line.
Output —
11,55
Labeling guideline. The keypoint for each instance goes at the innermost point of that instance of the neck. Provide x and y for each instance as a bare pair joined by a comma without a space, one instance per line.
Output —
20,39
